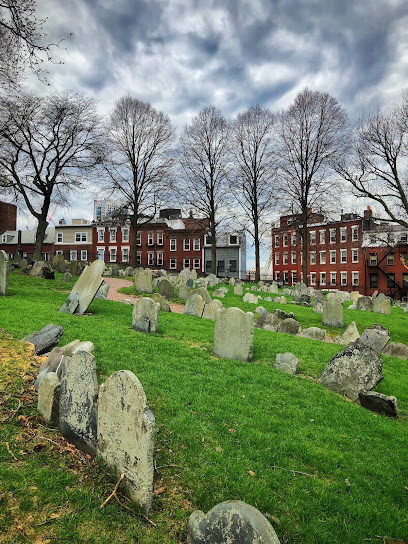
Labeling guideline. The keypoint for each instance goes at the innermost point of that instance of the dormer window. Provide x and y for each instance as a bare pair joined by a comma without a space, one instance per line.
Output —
233,239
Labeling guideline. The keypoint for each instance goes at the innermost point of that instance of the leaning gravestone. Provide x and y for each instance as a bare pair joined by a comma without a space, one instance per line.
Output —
45,339
48,398
143,280
78,401
230,522
377,402
202,291
166,289
382,304
376,337
333,313
314,333
194,306
396,349
164,305
234,334
145,316
211,308
103,291
289,326
85,289
126,431
3,273
268,321
42,269
364,303
356,368
351,334
238,290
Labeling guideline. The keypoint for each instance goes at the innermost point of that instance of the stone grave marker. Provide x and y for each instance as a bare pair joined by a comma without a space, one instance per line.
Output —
364,303
145,316
333,313
166,288
382,304
190,283
396,349
194,306
351,334
251,298
287,362
289,326
183,292
126,431
314,333
210,309
67,277
143,280
3,273
45,339
48,398
376,337
202,291
85,289
377,402
238,290
103,291
164,305
233,334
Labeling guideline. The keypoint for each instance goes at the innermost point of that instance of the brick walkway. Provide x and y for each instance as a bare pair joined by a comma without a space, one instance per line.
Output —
117,283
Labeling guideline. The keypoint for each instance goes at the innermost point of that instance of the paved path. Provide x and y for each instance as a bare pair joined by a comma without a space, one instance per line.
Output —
117,283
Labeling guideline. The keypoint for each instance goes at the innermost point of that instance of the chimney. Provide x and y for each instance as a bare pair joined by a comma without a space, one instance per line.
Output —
368,219
368,213
191,214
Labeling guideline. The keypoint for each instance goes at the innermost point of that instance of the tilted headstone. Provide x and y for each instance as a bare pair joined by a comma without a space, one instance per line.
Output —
396,349
42,269
103,291
333,313
78,401
194,306
382,304
230,522
126,431
164,305
377,402
314,333
234,334
356,368
145,316
48,398
3,273
211,308
238,290
183,292
287,362
166,288
365,304
351,334
85,289
143,280
202,291
45,339
376,337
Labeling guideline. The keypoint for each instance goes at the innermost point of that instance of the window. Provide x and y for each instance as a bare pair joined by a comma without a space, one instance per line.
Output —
72,255
333,278
285,239
207,241
112,236
332,236
354,278
150,238
139,258
390,259
173,263
186,263
373,259
285,257
285,278
221,266
4,238
101,254
150,258
173,244
112,254
390,280
313,257
233,239
81,237
101,235
374,280
233,266
45,256
332,256
196,244
322,234
322,257
312,236
277,258
159,238
196,264
125,235
138,238
277,241
312,278
322,278
294,280
59,252
277,276
343,278
354,233
186,245
293,257
208,266
84,255
60,237
293,239
159,258
125,255
354,255
25,254
343,234
343,255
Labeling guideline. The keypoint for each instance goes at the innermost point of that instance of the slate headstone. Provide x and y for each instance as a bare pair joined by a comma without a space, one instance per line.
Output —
365,304
289,326
376,337
67,277
166,288
396,349
48,398
377,402
85,289
382,304
190,283
4,270
145,316
333,313
268,322
103,291
46,338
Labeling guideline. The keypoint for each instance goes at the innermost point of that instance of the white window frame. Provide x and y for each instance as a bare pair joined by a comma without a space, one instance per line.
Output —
112,235
101,253
354,255
150,258
323,280
73,252
293,257
186,244
196,263
333,276
84,255
159,238
312,237
322,236
343,234
285,240
294,276
196,244
343,256
125,254
312,278
312,257
59,252
354,277
173,244
112,254
293,239
332,236
101,235
150,238
139,238
343,278
277,240
277,258
322,257
81,237
139,258
354,233
186,262
230,243
60,237
277,276
159,258
125,235
285,257
173,264
332,256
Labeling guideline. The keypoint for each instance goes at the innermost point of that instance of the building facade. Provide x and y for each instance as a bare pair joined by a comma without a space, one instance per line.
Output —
74,241
230,255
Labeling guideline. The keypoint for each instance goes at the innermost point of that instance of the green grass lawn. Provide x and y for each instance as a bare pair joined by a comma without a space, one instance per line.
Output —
322,469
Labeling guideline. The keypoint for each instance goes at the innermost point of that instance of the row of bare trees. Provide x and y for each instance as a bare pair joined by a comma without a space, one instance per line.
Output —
257,164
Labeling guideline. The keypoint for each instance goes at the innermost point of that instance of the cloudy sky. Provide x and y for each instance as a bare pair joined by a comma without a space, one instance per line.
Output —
182,55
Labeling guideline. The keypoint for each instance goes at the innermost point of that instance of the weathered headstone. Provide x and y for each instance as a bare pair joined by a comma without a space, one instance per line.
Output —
355,295
261,310
45,339
3,273
314,333
74,268
48,398
129,271
273,288
190,283
238,290
102,292
143,280
219,293
62,267
268,322
396,349
377,402
230,522
85,289
183,292
212,280
318,306
233,334
351,334
67,277
287,362
211,308
194,306
41,269
249,297
365,304
382,304
289,326
115,270
145,317
356,368
164,305
376,337
78,401
202,291
166,288
126,431
333,313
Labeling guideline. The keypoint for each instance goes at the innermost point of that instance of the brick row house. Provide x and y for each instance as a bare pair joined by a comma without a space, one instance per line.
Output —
341,255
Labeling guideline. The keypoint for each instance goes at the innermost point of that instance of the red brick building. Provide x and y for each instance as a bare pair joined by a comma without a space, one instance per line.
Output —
8,217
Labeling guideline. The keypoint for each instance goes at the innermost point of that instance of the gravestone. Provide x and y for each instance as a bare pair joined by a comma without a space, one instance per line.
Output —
78,401
164,305
115,271
143,280
377,402
85,289
382,304
166,289
212,280
194,306
230,522
376,337
129,271
261,310
273,288
211,308
45,339
249,297
287,362
356,368
67,277
365,304
62,267
183,292
190,283
396,349
318,306
74,268
299,290
234,334
238,290
42,269
126,431
48,398
3,273
232,281
202,291
289,326
355,295
333,313
269,322
103,291
314,333
282,300
145,316
219,293
351,334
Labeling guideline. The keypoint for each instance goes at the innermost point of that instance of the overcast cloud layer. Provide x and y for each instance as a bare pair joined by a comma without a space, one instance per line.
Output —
182,55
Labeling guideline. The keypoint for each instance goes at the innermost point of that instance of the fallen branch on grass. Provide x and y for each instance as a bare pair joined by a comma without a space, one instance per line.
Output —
113,494
294,471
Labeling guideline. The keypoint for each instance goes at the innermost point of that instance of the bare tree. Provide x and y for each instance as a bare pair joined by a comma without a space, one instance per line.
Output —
139,160
313,132
204,160
21,41
377,167
254,170
48,147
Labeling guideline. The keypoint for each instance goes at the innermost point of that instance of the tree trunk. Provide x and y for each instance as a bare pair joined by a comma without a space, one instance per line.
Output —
304,251
257,260
133,243
213,249
39,237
